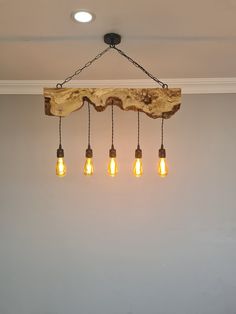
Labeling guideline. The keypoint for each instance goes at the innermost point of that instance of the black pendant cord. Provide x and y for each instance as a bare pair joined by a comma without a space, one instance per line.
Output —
138,128
162,132
60,132
89,125
138,151
112,151
60,151
112,125
162,151
89,151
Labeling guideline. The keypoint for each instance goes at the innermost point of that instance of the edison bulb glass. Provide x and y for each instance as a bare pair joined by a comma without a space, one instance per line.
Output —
88,167
60,167
138,167
162,167
112,167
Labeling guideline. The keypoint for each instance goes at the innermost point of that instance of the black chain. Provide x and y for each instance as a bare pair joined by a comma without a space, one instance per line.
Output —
163,85
60,131
77,72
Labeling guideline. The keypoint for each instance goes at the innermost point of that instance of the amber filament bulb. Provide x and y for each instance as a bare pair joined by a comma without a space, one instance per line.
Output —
112,167
88,167
138,164
162,168
138,167
60,167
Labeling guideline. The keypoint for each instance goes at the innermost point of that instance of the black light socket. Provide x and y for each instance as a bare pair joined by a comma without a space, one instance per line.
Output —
60,152
112,152
89,152
162,152
138,152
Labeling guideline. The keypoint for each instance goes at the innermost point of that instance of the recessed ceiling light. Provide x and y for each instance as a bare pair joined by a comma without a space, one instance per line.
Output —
83,16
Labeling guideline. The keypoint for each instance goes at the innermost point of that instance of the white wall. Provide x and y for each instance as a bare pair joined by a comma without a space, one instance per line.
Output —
120,245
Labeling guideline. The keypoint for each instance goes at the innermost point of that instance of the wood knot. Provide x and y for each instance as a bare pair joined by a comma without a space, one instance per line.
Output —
147,99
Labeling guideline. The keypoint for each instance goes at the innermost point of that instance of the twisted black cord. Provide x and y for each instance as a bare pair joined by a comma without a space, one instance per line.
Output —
112,125
138,127
89,124
162,131
60,131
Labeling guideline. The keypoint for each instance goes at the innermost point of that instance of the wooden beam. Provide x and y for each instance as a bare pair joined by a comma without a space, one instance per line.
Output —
155,102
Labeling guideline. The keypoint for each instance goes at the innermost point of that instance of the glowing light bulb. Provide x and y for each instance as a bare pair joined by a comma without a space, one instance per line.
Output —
60,167
138,165
112,167
88,167
162,167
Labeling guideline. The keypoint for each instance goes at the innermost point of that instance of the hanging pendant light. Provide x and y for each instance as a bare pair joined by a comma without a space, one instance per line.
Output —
162,167
60,165
155,102
88,166
137,165
112,165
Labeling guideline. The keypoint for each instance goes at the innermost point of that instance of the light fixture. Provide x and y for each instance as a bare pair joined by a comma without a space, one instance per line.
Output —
60,165
138,165
88,166
162,167
154,102
83,16
112,164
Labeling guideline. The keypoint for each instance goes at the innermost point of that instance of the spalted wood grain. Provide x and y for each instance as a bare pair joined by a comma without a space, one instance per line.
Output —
155,102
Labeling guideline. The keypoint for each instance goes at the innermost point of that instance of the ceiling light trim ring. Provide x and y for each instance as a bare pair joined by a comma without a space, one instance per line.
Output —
82,18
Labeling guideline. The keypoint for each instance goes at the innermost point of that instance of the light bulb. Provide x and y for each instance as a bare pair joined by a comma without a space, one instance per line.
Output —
138,167
88,167
60,167
162,167
112,167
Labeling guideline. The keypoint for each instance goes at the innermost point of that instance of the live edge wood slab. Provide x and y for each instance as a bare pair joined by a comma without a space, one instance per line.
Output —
155,102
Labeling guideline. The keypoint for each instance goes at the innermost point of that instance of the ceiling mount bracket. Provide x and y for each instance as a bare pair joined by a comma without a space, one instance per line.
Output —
112,39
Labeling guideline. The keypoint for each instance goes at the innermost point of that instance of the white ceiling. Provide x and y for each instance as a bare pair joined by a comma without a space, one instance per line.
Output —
172,39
